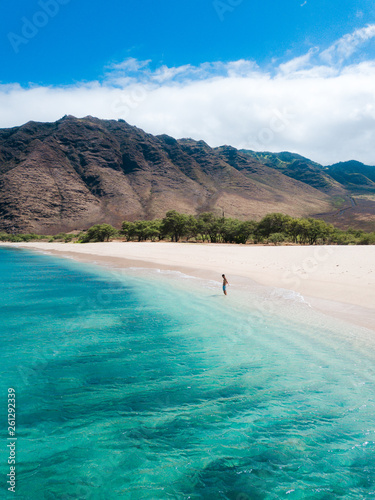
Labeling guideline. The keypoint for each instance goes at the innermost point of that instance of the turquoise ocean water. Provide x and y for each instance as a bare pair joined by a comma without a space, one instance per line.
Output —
144,385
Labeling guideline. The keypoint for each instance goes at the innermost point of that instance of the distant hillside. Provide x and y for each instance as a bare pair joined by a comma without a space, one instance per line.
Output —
354,175
73,173
299,168
350,184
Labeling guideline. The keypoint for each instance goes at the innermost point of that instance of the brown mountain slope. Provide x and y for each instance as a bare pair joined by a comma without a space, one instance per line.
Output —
76,172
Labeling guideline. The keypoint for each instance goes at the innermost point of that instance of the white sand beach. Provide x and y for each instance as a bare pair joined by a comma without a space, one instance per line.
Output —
336,280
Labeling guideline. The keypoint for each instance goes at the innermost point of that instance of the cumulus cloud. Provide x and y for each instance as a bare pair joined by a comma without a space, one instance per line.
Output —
313,105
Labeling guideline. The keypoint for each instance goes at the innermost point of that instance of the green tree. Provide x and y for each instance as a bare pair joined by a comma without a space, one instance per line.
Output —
191,230
298,230
209,225
340,237
367,239
174,225
99,232
245,230
127,229
140,230
230,230
276,238
273,223
152,230
318,229
293,229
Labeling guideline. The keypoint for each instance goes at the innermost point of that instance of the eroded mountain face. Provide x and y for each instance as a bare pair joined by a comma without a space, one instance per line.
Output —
77,172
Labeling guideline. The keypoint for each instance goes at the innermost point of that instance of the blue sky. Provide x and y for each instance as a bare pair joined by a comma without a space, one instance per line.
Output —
228,57
84,36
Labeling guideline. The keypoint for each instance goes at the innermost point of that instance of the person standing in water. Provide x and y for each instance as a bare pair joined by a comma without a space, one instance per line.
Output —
225,284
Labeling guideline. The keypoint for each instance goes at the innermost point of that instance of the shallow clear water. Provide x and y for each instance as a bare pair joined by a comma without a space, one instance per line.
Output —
157,388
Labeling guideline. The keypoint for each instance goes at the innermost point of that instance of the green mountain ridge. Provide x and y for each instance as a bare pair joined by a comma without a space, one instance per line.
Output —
349,175
353,175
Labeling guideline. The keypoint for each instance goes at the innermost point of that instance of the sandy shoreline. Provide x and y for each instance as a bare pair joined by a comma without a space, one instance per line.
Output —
336,280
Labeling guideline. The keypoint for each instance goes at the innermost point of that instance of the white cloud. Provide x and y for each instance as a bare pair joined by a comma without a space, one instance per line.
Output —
298,63
130,65
322,111
347,45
